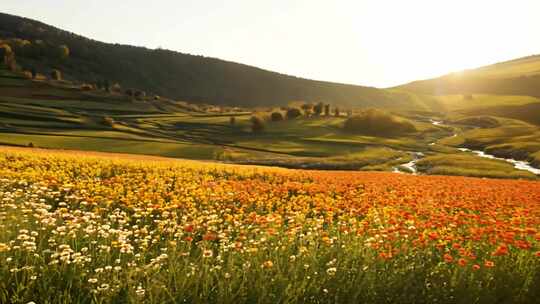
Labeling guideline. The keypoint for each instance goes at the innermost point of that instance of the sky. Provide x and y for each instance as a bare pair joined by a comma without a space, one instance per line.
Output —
379,43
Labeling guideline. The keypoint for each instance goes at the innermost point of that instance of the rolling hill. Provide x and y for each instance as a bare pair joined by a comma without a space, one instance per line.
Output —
177,75
516,77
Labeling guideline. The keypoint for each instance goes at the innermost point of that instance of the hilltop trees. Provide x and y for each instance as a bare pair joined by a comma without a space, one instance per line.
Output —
307,107
167,73
293,113
327,110
318,108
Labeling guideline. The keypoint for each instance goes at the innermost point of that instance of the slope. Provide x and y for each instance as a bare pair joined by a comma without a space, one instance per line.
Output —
516,77
177,75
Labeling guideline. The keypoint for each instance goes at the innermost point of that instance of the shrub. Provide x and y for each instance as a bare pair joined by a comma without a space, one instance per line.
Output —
87,87
257,124
116,88
27,74
293,113
326,110
276,116
378,123
140,95
232,120
107,121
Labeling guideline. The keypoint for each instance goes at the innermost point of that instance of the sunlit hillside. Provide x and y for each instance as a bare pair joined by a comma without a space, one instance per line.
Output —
515,77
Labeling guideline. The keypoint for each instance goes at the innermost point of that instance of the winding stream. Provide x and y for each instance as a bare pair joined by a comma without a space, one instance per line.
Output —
411,166
518,164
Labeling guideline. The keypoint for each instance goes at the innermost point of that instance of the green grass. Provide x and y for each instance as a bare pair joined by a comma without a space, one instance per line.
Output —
58,116
177,150
458,103
465,164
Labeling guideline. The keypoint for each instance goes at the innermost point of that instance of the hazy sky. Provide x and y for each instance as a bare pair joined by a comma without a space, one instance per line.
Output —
369,42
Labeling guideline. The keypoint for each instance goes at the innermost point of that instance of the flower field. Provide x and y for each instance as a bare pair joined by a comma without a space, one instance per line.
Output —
90,228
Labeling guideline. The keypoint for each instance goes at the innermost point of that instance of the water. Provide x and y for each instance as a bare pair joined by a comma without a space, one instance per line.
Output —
412,164
436,122
518,164
417,155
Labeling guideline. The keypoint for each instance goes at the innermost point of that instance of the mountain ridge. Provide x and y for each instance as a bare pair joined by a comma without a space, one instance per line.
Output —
178,75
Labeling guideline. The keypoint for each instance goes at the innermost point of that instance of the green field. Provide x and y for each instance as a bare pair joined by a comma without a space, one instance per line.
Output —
57,115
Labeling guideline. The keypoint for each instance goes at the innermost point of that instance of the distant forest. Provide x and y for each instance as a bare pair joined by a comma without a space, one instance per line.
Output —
42,48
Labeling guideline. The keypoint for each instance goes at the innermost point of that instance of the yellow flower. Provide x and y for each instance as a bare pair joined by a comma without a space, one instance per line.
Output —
268,264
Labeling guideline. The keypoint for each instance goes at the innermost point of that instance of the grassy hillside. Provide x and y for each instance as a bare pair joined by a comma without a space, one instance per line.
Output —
515,77
176,75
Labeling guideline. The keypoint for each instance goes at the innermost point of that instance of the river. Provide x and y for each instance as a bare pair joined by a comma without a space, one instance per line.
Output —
518,164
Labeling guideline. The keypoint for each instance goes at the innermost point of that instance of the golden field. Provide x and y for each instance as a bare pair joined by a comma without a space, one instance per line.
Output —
106,228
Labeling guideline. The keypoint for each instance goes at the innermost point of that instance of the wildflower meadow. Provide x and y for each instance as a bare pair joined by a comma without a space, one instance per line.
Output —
95,228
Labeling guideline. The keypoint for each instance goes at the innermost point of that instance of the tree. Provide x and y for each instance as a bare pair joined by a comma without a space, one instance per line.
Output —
4,51
307,109
336,112
34,72
56,74
257,124
318,108
293,113
327,110
276,116
63,52
232,120
107,85
8,57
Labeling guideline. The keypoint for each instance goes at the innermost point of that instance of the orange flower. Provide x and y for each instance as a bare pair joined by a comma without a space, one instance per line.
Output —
448,258
462,262
433,235
476,267
501,250
210,236
489,264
